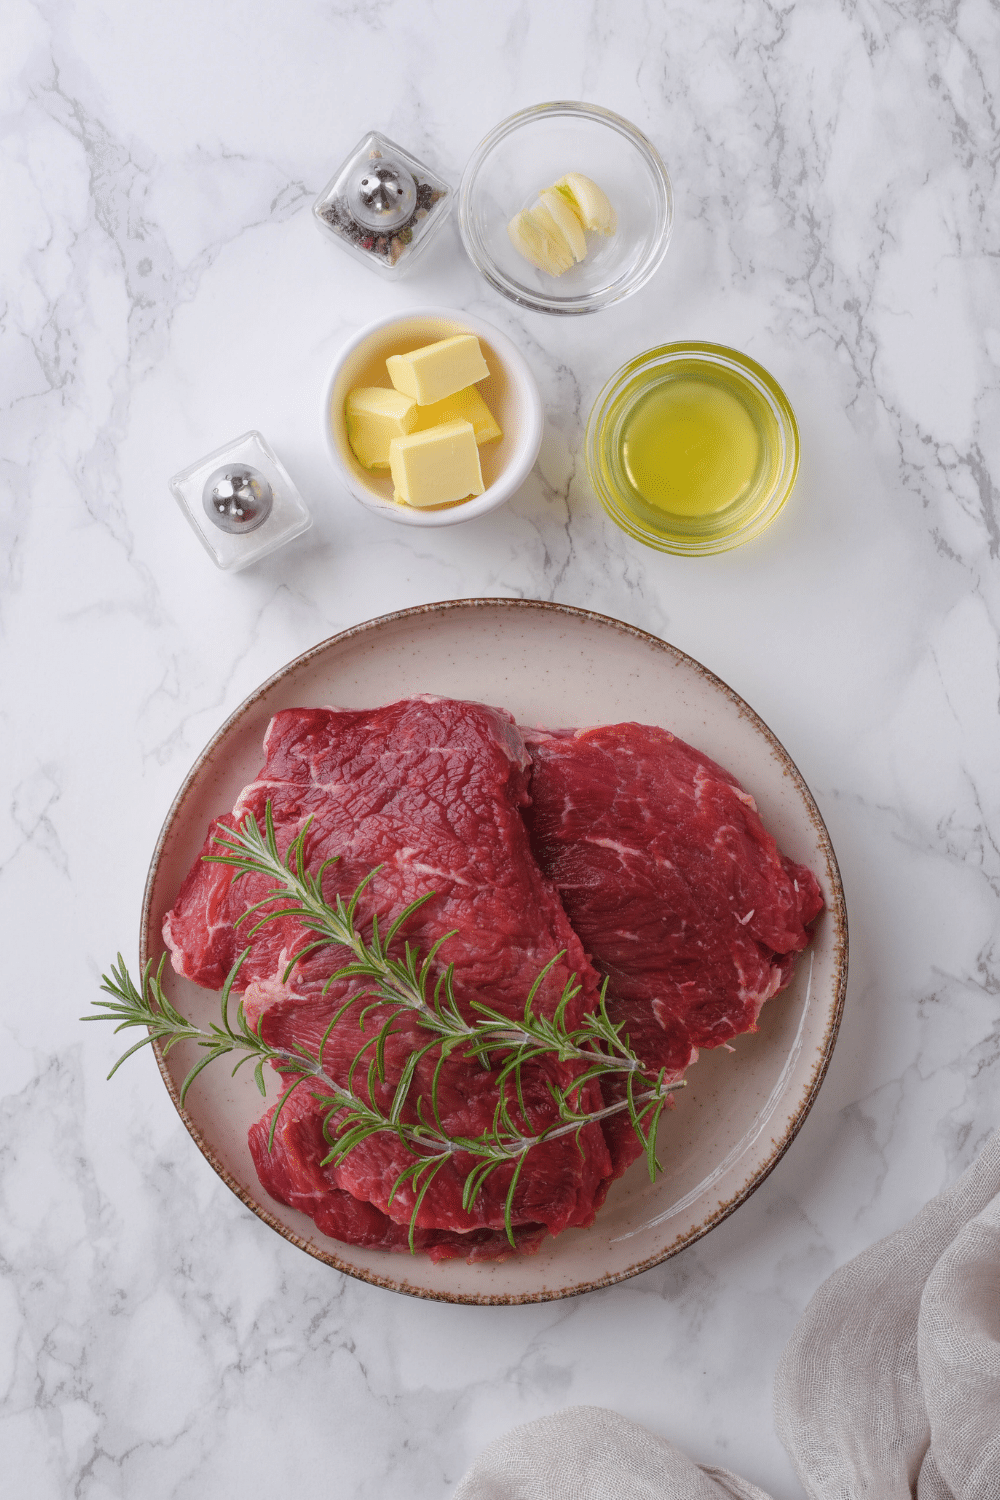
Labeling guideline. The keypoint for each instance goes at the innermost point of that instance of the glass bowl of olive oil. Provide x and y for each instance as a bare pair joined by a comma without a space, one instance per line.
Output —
692,448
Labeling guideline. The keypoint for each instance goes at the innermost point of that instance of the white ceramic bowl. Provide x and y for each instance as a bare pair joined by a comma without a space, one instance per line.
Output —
510,393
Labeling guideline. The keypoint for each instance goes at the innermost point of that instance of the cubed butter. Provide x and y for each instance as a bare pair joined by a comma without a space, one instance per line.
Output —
438,370
464,406
374,416
436,466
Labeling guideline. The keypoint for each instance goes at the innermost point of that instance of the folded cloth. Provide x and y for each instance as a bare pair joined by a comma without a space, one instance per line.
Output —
890,1384
588,1453
889,1388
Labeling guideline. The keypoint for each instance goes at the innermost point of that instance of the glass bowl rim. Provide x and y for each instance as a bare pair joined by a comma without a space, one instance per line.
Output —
715,356
592,301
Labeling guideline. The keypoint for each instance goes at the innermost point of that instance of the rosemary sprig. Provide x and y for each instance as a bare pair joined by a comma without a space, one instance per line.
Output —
406,981
408,986
351,1118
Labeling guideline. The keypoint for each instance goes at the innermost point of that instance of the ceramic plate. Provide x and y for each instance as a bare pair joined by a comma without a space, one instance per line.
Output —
555,666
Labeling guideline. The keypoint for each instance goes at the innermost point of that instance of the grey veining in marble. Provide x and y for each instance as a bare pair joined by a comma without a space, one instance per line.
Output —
837,217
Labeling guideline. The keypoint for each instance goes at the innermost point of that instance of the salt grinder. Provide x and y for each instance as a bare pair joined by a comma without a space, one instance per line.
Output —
241,501
237,499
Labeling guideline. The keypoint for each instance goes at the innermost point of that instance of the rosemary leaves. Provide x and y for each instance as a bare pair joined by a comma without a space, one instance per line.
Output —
390,983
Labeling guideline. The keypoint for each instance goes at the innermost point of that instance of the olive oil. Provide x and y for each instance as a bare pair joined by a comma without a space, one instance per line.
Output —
692,448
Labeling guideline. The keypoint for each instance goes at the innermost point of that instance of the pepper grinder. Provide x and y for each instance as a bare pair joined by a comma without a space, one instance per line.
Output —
382,205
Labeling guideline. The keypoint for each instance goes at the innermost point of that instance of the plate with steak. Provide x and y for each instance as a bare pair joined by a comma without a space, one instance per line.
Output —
564,796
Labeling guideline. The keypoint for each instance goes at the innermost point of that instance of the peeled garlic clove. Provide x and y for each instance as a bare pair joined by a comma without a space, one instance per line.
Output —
590,203
541,216
527,240
566,220
530,239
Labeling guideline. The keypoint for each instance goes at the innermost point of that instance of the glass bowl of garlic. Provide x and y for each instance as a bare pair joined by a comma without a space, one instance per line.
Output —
566,208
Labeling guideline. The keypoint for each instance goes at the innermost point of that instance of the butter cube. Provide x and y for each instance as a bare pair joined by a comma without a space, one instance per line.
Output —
438,370
374,416
465,406
436,466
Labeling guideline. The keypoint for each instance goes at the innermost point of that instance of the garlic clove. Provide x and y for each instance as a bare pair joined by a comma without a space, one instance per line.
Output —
546,220
566,220
589,202
531,240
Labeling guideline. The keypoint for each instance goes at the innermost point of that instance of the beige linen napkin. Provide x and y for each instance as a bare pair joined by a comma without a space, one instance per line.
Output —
888,1390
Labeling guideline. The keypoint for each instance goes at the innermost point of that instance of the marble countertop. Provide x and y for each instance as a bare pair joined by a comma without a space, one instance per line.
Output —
164,289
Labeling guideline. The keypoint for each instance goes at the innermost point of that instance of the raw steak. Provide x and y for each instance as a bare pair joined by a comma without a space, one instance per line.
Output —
677,891
430,790
290,1171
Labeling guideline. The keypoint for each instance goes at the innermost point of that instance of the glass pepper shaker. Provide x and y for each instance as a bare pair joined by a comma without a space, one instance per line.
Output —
383,206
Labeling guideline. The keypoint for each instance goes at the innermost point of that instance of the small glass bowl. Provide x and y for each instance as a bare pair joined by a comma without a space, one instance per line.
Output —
530,151
752,475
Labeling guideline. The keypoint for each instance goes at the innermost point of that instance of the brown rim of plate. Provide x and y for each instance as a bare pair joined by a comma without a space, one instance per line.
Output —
837,909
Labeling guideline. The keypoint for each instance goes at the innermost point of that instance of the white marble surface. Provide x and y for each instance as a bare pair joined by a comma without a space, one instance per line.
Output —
163,290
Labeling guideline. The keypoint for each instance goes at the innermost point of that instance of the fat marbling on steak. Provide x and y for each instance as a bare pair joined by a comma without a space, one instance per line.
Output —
431,790
677,891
